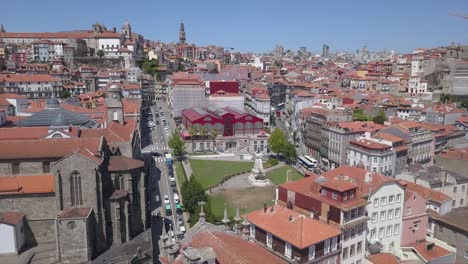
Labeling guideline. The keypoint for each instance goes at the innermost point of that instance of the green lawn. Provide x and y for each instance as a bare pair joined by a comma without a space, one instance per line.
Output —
278,176
179,170
252,197
211,172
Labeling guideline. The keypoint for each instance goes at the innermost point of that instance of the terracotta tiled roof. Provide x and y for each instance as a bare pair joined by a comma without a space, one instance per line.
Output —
46,148
388,137
22,133
12,96
357,175
122,163
339,184
383,258
310,188
27,78
426,193
131,86
231,249
74,213
461,154
292,227
27,184
11,218
61,35
430,254
365,143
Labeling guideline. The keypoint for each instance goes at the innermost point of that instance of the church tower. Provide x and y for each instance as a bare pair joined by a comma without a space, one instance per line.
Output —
114,104
2,29
127,30
181,34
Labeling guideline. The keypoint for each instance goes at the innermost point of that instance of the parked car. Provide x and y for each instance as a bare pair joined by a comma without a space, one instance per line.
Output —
180,222
176,198
166,199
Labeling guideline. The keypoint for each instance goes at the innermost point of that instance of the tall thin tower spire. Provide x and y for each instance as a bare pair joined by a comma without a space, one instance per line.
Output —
182,34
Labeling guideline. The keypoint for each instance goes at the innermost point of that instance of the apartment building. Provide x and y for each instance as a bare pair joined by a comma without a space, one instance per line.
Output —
33,86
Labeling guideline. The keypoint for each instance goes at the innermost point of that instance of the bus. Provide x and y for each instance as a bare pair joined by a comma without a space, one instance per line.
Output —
308,163
169,160
314,161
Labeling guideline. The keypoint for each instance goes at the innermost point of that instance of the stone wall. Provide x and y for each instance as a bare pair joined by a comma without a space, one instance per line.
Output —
99,62
75,239
42,230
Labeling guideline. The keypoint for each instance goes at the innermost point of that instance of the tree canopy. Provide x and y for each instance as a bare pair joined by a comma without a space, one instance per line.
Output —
150,66
192,193
289,152
380,118
358,115
277,140
177,144
100,53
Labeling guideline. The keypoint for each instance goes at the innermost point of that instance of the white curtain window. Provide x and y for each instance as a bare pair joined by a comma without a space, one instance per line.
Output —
334,243
312,252
327,246
269,240
252,231
288,251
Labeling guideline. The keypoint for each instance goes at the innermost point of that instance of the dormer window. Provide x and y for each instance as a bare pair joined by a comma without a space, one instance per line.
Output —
345,196
334,196
324,192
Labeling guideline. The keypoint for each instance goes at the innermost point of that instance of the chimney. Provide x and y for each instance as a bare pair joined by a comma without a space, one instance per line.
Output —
368,177
264,207
114,29
429,246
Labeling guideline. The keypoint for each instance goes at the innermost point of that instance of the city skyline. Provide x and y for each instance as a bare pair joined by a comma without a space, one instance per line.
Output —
396,27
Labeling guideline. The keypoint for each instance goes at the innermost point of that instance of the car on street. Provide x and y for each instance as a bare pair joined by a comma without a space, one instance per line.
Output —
168,210
171,177
176,198
179,209
173,184
157,154
180,222
150,124
166,199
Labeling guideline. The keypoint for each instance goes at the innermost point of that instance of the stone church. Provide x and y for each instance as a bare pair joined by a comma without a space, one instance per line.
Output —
76,192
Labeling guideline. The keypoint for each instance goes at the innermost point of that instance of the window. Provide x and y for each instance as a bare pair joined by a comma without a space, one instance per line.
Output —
383,201
324,192
15,168
334,243
75,190
463,188
327,246
391,199
351,250
345,253
382,216
252,231
358,247
453,203
461,202
381,232
345,234
396,229
345,196
312,252
408,210
455,189
374,217
398,198
389,230
373,233
390,214
360,228
360,211
288,250
416,226
376,202
269,240
334,196
333,260
375,159
46,166
397,212
353,232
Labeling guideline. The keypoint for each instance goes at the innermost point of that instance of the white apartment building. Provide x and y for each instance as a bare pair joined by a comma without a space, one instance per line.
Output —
33,86
375,155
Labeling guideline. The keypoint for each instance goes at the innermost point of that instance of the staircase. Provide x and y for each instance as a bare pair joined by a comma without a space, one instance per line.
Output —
45,253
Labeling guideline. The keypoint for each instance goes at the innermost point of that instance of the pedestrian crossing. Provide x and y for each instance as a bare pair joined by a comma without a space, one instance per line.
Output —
160,147
159,159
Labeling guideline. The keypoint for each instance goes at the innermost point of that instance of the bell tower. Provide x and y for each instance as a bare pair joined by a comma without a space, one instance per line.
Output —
182,34
114,104
127,30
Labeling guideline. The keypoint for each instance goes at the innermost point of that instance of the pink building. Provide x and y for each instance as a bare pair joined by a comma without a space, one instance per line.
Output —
415,219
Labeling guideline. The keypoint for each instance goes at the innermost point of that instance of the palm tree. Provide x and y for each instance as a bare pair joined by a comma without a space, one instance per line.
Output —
214,134
191,132
203,132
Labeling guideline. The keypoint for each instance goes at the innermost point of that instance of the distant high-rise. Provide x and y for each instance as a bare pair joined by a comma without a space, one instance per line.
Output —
302,50
325,50
181,34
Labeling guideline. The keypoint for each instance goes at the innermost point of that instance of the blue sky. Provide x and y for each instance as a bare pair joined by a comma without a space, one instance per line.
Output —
258,25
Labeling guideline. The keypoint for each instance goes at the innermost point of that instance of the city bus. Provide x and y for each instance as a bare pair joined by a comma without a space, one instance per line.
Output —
307,164
314,161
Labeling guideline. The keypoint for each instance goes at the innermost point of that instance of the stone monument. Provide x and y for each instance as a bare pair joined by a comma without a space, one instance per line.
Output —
258,177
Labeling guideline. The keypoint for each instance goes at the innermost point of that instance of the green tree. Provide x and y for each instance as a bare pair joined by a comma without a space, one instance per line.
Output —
203,132
100,53
177,144
192,193
150,66
358,115
289,152
214,134
277,141
380,118
65,95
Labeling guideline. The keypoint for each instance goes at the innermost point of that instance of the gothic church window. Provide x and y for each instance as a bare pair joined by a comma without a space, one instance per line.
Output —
76,190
